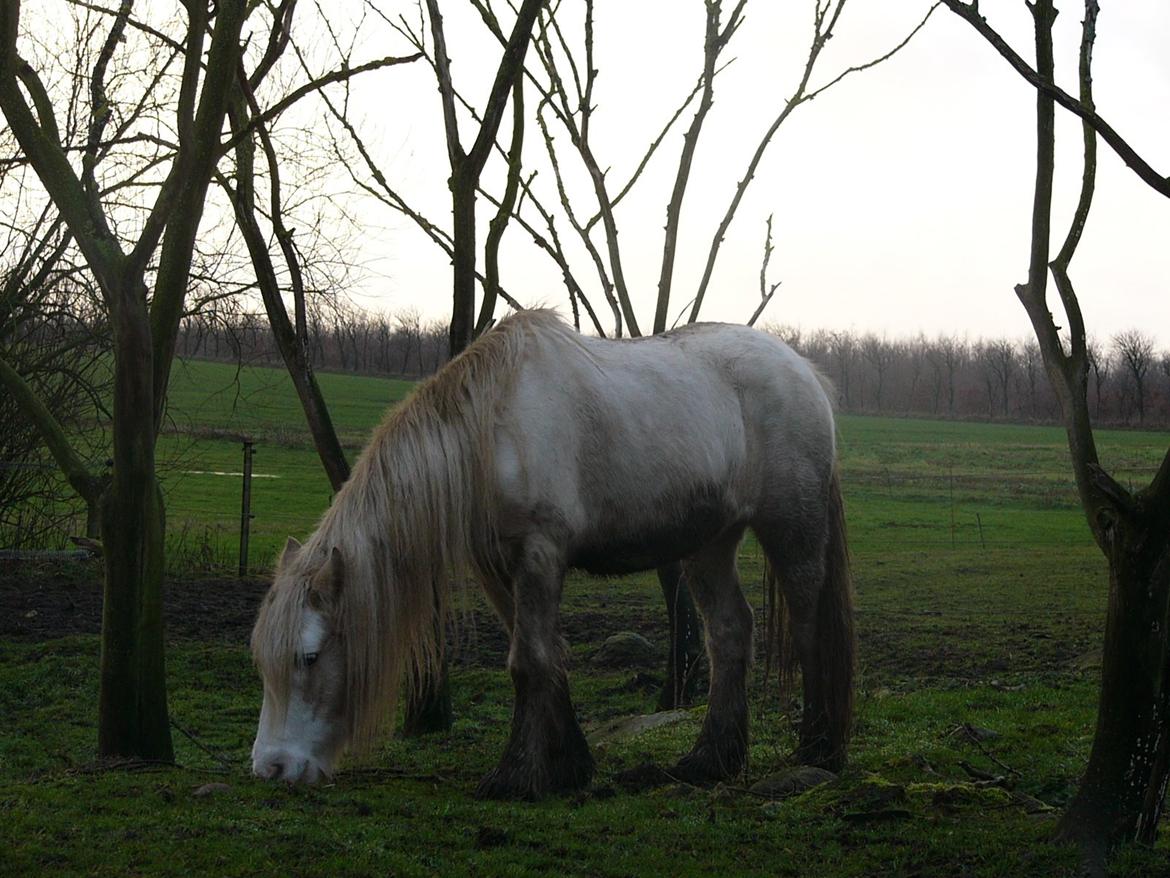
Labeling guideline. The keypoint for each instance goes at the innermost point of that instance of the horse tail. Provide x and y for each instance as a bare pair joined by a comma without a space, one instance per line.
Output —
779,651
828,684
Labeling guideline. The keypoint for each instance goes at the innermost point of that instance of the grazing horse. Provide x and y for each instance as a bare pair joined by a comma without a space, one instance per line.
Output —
538,450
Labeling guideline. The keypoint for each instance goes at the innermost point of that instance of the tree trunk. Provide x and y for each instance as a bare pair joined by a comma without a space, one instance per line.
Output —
132,711
429,707
686,640
1123,790
463,291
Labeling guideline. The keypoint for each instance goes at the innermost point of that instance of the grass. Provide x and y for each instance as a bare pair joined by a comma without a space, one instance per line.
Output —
980,605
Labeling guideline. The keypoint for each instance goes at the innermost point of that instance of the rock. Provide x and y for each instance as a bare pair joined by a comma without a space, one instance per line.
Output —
771,809
211,789
792,781
632,726
625,649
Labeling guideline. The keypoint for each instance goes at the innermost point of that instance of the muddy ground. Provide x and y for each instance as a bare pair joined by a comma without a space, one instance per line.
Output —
42,602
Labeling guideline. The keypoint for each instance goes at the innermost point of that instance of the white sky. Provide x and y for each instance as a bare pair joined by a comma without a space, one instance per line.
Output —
901,197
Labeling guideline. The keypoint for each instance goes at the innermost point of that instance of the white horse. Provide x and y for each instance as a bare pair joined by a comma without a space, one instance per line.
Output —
538,450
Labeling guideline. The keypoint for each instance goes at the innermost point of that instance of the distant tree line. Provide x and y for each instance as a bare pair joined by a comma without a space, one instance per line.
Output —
950,376
945,376
341,338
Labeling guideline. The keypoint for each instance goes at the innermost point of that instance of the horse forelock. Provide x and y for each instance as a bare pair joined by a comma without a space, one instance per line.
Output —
276,636
418,509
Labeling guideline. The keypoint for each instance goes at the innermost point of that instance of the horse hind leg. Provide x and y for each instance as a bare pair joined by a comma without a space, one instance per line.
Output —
810,562
546,750
720,751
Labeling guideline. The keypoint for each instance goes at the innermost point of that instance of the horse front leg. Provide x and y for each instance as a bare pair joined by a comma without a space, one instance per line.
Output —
546,751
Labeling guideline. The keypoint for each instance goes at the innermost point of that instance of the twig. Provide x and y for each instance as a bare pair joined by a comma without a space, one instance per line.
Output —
970,735
190,737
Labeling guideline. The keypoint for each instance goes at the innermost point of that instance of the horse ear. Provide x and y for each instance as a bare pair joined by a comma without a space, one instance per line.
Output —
290,549
327,583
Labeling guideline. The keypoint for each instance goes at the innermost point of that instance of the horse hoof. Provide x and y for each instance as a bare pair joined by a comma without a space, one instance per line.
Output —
701,770
818,756
512,782
500,785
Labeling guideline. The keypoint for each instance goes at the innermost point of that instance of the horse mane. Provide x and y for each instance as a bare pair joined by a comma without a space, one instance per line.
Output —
417,510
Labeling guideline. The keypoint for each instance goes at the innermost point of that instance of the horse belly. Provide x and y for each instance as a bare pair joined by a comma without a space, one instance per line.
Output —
626,540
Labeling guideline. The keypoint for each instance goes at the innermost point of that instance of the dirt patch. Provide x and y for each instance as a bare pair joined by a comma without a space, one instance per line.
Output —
44,602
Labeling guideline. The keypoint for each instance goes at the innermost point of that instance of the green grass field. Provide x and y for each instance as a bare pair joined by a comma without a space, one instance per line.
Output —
980,601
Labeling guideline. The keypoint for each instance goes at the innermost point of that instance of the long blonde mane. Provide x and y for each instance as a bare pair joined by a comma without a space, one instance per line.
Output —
417,511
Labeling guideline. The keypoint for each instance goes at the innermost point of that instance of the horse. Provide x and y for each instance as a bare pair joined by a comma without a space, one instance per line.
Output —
538,450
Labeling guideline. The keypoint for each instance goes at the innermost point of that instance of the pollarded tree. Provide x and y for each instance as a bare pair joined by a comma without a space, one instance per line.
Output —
1122,794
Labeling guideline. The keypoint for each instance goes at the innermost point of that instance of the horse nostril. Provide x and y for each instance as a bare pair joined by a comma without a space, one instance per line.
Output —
275,770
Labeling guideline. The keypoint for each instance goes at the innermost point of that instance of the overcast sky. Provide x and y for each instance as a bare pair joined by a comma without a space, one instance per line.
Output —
901,197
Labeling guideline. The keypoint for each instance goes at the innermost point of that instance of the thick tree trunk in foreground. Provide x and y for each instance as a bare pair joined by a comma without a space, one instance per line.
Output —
1122,794
132,713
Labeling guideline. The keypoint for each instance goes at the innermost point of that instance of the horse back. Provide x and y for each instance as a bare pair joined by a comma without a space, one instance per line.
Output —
631,454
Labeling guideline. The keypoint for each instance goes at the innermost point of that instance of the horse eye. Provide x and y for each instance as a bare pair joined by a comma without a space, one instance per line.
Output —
309,659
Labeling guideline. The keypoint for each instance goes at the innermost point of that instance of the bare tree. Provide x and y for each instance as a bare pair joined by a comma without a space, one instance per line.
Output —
132,197
1122,794
467,166
843,351
881,356
999,359
947,355
915,351
49,328
53,382
1101,362
132,710
1134,352
1031,364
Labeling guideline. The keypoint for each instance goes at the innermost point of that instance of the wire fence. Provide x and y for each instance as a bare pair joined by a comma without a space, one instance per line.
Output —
233,519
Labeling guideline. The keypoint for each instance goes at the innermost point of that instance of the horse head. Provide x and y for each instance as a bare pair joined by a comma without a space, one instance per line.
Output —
300,652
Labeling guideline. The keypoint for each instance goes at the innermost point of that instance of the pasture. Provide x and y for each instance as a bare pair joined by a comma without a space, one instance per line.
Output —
980,602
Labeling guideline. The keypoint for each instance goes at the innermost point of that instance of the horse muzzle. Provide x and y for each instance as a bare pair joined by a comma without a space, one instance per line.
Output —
289,767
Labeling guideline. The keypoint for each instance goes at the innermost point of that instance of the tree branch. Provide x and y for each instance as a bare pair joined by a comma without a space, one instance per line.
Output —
713,44
499,222
969,12
66,457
